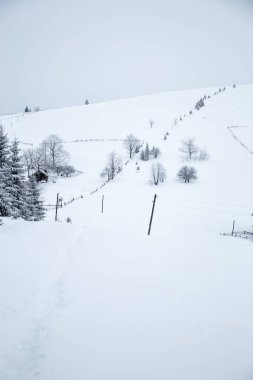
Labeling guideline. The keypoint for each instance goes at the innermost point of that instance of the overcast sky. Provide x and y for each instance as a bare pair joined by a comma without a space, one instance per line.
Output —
57,52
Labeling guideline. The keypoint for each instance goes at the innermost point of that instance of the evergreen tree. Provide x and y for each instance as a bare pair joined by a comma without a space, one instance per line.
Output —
17,197
146,153
5,175
34,210
17,182
142,155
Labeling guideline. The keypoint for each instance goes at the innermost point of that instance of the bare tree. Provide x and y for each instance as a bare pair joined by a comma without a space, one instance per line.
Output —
28,159
155,152
38,159
106,173
54,153
131,144
203,155
158,173
187,173
113,166
151,123
189,148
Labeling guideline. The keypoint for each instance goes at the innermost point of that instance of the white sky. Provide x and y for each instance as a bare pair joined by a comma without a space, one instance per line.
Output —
60,52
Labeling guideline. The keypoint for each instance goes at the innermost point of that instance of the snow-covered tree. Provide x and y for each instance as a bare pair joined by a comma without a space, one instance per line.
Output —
155,152
203,155
113,166
65,170
187,173
53,152
29,160
18,198
142,155
33,210
189,148
146,153
158,173
151,123
5,175
17,181
131,143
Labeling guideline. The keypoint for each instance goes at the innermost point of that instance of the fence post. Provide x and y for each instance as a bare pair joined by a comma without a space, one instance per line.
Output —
56,206
233,228
102,206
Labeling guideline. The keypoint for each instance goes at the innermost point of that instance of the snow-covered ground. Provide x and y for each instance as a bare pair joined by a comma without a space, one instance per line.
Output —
99,299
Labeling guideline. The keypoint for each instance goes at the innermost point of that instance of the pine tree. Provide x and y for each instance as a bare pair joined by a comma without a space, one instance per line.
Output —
17,182
5,175
142,155
146,153
34,210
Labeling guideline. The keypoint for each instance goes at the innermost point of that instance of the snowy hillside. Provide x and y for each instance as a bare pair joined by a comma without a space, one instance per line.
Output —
99,299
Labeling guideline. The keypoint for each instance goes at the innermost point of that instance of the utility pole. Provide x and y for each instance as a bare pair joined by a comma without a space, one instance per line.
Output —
152,213
102,207
56,206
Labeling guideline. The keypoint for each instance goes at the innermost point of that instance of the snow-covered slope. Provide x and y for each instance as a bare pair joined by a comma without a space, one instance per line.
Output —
98,298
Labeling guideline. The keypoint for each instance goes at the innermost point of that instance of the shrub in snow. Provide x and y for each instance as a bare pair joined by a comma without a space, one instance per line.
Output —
187,173
65,170
158,173
203,155
200,103
68,220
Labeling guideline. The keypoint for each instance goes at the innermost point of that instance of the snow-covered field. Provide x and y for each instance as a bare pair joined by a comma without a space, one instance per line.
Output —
99,299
